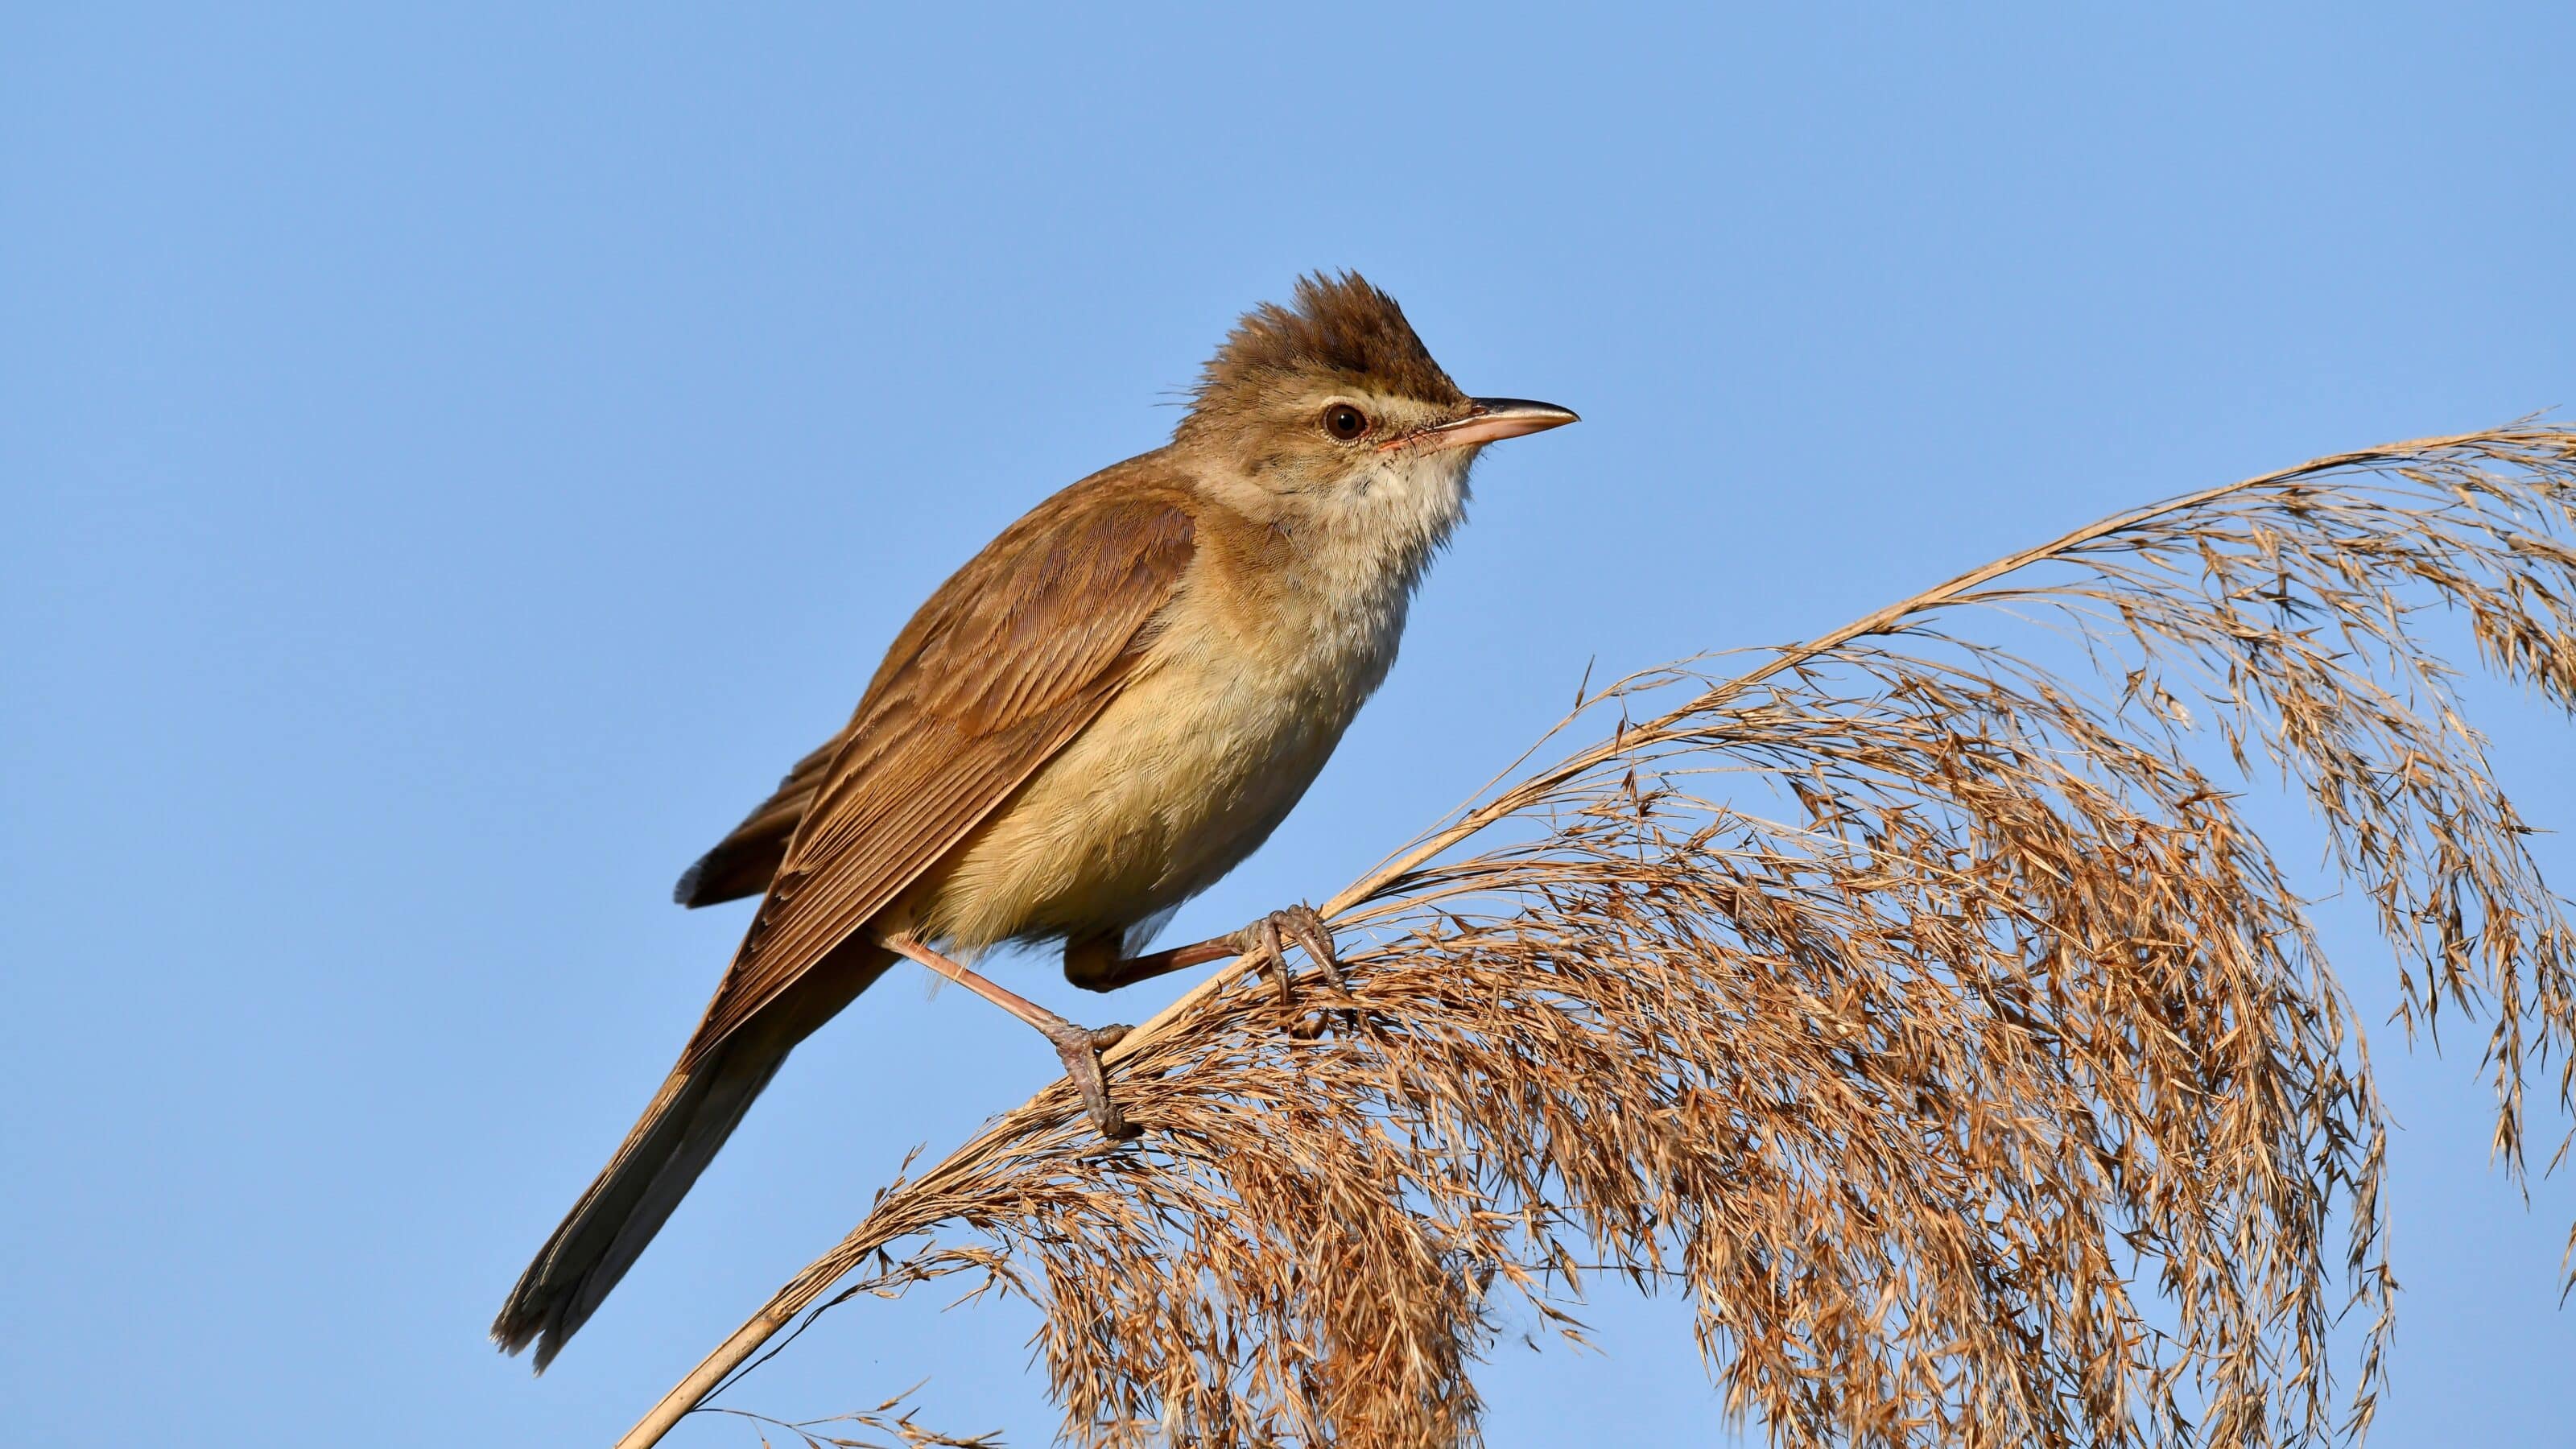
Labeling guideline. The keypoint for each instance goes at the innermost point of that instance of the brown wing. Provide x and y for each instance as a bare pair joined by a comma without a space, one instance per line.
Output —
743,863
1004,665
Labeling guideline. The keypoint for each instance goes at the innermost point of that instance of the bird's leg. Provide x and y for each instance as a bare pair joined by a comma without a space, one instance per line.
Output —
1079,1046
1093,963
1095,966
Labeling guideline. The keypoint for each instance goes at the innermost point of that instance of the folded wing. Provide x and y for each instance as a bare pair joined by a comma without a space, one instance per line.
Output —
1004,665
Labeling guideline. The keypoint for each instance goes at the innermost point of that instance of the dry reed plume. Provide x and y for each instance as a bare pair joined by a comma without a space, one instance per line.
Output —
1936,1025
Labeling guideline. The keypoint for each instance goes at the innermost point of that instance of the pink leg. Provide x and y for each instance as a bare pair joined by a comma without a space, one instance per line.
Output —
1095,965
1079,1046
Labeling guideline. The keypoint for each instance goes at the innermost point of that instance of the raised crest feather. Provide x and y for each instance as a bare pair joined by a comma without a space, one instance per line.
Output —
1338,324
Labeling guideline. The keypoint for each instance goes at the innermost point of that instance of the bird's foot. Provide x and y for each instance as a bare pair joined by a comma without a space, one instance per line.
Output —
1264,942
1080,1047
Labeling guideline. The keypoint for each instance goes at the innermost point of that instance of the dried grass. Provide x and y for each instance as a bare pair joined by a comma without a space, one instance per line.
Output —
1937,1026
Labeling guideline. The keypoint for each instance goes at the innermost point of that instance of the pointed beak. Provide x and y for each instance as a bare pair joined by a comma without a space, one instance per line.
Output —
1491,420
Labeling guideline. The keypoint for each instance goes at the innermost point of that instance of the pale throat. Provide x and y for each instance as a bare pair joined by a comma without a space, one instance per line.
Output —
1390,520
1363,551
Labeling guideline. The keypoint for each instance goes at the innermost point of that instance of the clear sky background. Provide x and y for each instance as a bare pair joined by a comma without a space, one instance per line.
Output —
452,460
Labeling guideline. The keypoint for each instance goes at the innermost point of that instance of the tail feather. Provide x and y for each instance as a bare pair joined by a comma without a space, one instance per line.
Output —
670,1145
633,1196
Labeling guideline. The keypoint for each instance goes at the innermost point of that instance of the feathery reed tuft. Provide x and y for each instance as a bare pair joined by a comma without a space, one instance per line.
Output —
1938,1026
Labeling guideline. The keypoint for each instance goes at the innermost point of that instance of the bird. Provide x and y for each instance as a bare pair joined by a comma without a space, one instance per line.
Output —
1096,718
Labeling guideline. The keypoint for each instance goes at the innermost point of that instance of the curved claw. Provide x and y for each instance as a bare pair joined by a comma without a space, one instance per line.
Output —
1081,1051
1264,942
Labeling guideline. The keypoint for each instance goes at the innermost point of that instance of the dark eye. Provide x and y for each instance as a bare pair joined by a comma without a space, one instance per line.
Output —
1344,421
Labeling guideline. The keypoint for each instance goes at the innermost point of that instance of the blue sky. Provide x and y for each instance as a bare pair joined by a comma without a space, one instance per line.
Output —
455,459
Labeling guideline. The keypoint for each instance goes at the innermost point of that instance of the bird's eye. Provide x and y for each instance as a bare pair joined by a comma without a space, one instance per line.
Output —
1345,422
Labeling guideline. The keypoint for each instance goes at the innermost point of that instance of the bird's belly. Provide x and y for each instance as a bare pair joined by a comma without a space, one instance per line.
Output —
1185,773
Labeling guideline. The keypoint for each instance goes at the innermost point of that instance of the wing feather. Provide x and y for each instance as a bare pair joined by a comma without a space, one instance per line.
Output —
1004,666
743,862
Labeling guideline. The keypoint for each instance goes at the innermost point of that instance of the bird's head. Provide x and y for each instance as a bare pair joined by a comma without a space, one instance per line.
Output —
1334,404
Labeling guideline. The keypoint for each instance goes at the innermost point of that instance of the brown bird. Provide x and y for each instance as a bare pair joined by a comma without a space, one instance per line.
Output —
1094,720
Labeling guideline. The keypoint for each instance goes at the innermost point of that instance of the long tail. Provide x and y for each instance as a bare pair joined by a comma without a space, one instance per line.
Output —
678,1135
